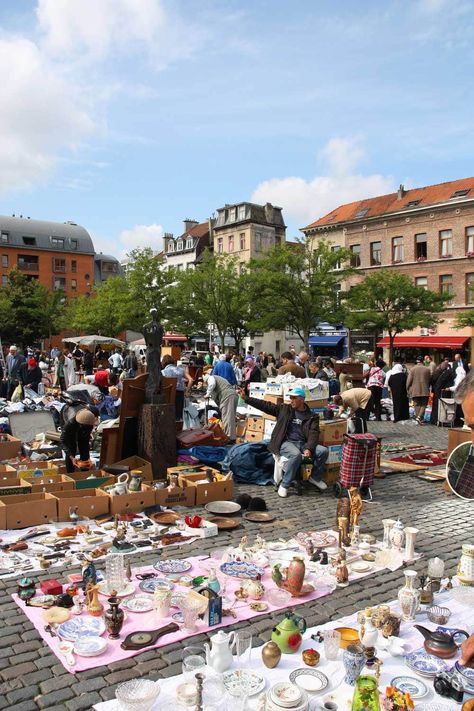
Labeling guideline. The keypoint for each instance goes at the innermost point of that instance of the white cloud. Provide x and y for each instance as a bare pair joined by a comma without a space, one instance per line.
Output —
308,200
142,236
40,113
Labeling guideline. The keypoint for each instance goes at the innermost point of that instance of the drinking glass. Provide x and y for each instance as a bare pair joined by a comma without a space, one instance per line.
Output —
115,572
193,665
243,650
332,639
190,610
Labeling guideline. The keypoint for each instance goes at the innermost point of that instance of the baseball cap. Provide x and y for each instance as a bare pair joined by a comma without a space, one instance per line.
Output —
297,392
31,362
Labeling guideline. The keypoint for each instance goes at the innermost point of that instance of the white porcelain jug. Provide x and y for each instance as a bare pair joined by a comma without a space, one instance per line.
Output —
219,655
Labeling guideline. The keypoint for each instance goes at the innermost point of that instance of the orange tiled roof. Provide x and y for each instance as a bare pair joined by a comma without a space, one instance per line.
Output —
199,230
385,204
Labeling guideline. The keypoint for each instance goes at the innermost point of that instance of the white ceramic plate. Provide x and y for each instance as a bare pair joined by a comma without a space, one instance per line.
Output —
285,694
253,682
140,603
415,687
361,566
129,589
277,546
310,680
425,664
90,646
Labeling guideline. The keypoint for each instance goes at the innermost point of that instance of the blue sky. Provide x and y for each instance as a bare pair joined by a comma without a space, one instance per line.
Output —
127,116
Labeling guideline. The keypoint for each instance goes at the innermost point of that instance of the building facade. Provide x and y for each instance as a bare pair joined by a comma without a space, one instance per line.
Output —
185,251
426,233
58,255
106,266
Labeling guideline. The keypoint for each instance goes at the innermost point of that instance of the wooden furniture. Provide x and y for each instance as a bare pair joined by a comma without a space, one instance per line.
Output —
456,436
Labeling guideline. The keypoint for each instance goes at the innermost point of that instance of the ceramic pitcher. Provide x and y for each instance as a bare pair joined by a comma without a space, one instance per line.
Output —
219,655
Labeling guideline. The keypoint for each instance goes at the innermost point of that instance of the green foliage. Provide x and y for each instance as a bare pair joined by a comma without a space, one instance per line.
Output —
464,319
105,312
28,311
297,287
147,284
391,302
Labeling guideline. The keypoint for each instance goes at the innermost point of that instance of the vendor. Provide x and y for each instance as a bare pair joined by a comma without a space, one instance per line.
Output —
31,374
358,402
75,437
103,379
226,399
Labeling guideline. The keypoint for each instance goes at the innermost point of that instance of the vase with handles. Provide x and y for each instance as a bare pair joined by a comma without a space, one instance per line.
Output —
465,571
409,596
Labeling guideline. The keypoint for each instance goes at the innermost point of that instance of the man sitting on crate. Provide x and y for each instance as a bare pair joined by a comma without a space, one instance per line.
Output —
295,437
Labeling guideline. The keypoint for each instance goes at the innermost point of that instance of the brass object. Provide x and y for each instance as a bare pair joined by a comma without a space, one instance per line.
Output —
271,655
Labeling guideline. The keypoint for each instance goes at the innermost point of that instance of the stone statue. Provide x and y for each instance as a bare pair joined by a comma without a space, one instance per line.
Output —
153,333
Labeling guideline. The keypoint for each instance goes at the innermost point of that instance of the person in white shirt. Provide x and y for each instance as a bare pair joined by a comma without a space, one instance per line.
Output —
116,362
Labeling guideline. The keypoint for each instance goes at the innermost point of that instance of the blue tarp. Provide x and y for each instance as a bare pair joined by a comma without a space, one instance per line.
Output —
250,463
207,455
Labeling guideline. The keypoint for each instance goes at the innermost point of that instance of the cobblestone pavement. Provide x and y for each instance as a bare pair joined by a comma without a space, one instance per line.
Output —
31,677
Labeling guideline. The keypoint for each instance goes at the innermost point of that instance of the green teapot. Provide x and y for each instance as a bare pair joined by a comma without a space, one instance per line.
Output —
288,634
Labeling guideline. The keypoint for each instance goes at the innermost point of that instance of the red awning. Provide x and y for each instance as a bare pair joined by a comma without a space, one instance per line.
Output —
177,337
424,342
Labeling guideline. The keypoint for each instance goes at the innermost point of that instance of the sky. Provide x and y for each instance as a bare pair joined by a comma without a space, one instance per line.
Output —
128,116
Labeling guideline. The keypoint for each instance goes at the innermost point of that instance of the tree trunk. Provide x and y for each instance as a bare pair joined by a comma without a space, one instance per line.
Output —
391,337
306,341
222,340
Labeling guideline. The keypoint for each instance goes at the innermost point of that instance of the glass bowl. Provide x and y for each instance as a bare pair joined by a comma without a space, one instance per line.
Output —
137,694
278,597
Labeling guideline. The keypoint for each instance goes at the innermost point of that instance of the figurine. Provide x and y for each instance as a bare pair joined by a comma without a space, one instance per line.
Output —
342,574
356,505
73,515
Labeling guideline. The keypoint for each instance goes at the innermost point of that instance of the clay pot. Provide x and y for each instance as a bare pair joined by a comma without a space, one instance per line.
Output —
271,655
295,576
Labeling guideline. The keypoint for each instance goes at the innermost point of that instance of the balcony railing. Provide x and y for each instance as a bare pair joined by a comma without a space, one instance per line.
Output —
28,266
59,268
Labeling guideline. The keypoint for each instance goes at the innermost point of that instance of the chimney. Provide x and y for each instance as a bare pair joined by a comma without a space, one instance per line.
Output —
211,229
189,224
401,192
269,212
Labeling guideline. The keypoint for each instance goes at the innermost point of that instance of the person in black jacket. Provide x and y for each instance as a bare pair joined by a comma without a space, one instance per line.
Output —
295,437
75,437
87,361
30,374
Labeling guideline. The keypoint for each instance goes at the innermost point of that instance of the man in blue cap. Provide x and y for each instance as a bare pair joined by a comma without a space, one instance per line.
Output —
295,437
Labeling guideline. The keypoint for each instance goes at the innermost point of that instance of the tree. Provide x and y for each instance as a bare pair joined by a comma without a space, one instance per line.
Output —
466,318
148,285
391,302
296,287
55,310
23,307
107,311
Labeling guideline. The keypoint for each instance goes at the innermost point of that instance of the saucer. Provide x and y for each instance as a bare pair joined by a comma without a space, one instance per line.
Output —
310,680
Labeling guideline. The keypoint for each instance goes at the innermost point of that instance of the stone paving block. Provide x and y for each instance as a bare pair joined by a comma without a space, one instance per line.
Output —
119,676
84,687
55,698
49,660
29,635
30,646
84,702
154,665
17,671
26,657
24,694
57,682
26,706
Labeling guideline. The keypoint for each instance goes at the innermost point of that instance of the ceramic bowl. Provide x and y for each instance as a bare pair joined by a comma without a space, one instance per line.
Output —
348,636
139,694
278,597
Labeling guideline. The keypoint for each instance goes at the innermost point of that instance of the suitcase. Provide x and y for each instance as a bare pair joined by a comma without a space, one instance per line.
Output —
359,458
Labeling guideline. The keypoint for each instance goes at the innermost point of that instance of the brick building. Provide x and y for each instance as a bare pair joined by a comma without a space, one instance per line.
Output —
59,255
426,233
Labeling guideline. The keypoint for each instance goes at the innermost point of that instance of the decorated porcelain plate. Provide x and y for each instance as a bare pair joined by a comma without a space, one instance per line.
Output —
285,694
140,603
467,675
361,566
90,646
178,617
276,546
320,539
425,664
129,589
310,680
241,569
408,684
79,627
177,597
151,584
243,679
173,566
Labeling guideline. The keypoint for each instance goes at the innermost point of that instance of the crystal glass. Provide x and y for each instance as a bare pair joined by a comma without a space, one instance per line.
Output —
332,640
366,694
435,568
243,650
137,694
115,572
193,665
190,609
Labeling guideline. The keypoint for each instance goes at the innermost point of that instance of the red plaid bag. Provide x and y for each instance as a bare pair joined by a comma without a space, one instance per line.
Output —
359,455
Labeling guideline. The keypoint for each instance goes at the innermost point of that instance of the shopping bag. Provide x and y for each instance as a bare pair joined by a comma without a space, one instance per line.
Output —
17,394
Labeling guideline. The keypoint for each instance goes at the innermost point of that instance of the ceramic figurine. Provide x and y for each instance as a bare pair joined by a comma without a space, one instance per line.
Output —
356,505
73,515
288,633
397,535
271,655
89,574
94,606
114,618
353,659
465,571
212,581
343,510
342,574
78,605
219,654
409,596
26,589
344,531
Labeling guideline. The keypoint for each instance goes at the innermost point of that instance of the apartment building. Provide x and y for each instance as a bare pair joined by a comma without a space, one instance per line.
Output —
185,251
426,233
59,255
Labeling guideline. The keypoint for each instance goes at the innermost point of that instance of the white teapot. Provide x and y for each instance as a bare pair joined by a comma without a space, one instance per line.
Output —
219,655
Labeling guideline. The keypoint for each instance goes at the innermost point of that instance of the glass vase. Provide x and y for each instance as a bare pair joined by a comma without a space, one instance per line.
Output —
366,694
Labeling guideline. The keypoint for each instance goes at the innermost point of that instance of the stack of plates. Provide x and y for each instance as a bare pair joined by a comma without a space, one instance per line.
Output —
285,695
425,664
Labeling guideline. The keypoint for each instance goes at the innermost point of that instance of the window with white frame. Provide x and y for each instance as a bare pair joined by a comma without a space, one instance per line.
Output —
446,243
170,246
242,211
470,239
398,252
220,245
242,241
421,282
179,246
189,243
231,243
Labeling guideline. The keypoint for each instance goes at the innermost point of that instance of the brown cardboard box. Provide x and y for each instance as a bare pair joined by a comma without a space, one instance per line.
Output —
99,479
331,473
176,496
3,516
332,431
133,501
313,404
253,436
187,471
205,492
8,472
30,472
25,510
183,469
275,399
9,446
89,502
255,424
136,462
9,487
240,427
51,483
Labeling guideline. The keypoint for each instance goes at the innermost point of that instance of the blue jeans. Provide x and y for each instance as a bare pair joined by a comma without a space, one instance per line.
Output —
293,451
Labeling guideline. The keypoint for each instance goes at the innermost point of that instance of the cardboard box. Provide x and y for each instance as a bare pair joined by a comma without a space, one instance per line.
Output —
253,436
273,387
175,496
99,480
89,503
268,428
3,516
255,424
335,454
205,492
207,529
318,391
253,412
136,462
51,483
25,510
317,404
240,427
331,474
9,446
10,487
134,501
8,472
257,390
30,472
275,399
332,431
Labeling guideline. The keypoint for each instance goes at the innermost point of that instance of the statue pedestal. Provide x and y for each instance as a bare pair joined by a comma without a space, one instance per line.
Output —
157,437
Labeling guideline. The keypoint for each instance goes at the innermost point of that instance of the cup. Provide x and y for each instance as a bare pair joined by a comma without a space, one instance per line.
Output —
162,603
332,640
193,665
329,706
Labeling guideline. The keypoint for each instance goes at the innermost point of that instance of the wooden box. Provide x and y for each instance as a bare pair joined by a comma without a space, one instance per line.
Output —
253,436
25,510
89,503
51,483
9,446
10,487
136,462
30,472
134,501
205,492
255,424
275,399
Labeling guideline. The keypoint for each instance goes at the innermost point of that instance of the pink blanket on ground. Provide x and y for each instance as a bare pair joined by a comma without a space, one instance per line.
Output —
149,621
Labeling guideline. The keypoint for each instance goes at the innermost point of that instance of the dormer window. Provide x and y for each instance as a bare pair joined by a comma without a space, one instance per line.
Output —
57,242
232,214
29,241
460,193
189,243
242,212
363,212
413,203
170,246
179,246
